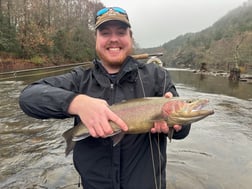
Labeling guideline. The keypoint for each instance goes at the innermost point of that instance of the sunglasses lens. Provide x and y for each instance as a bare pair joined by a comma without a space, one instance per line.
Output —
120,10
105,10
102,11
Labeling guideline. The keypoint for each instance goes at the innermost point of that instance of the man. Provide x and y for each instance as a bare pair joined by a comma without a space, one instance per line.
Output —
138,161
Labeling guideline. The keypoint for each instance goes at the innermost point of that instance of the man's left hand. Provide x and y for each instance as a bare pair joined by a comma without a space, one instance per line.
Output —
161,126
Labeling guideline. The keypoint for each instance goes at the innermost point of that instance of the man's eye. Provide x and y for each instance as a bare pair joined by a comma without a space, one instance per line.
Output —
105,33
121,32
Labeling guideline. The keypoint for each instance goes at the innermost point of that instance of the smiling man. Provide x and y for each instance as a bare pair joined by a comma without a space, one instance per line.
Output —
113,39
138,161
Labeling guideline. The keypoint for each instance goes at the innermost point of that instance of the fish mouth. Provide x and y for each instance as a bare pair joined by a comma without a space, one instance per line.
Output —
194,109
198,105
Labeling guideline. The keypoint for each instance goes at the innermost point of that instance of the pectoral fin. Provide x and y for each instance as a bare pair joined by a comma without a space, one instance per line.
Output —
170,133
157,119
117,138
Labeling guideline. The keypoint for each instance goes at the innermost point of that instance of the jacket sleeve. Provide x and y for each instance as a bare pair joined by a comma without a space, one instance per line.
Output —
182,133
50,97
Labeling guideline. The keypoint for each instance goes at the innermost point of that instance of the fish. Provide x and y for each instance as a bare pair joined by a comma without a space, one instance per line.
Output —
140,114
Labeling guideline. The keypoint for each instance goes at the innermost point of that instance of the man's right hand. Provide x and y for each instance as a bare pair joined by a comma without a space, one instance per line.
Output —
95,115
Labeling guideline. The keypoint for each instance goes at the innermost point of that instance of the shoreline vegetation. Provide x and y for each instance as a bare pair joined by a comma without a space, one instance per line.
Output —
243,77
12,64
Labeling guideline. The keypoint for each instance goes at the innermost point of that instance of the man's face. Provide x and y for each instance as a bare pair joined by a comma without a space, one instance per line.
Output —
113,43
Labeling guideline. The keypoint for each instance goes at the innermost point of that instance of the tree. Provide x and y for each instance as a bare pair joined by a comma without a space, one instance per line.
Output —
49,28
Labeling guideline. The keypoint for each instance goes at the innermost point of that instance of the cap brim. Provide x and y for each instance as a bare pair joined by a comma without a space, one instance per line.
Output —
108,20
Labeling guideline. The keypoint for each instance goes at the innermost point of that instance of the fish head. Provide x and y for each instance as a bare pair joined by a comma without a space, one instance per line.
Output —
185,111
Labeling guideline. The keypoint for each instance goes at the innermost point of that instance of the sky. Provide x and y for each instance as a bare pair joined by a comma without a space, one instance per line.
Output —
155,22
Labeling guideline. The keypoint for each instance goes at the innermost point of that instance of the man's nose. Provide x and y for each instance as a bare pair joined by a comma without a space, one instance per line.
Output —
114,37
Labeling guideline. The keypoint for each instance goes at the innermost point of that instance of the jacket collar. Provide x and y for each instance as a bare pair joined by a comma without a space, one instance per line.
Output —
128,72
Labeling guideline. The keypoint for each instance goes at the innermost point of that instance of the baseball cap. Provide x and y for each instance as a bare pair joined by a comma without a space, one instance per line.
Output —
111,13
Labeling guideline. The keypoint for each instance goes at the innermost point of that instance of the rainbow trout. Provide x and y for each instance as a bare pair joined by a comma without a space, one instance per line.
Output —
140,115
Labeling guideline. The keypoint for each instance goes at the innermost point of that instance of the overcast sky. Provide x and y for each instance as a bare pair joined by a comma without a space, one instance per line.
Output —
155,22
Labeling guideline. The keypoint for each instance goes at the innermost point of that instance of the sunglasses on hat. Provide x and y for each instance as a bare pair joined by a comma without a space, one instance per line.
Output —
106,9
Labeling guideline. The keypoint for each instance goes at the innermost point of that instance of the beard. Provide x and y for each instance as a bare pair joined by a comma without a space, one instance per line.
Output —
114,61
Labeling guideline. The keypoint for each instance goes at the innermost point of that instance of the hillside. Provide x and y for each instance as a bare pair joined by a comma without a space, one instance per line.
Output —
225,44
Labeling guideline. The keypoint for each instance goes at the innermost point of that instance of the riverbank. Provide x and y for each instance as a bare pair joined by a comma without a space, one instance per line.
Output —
10,64
244,77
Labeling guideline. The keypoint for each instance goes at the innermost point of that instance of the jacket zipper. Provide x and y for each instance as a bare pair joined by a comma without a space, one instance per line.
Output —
111,86
112,92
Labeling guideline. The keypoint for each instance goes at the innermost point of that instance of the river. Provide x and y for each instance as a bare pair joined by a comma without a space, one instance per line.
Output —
217,154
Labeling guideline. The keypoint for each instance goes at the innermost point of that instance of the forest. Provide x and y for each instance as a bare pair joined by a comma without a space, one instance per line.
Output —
224,45
47,31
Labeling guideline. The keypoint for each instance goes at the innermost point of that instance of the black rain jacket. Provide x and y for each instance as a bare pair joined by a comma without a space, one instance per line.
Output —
138,161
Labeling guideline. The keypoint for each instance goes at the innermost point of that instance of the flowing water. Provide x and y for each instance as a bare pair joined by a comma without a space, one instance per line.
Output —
217,154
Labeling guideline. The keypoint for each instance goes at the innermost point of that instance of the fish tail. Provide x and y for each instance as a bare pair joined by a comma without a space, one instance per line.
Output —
68,135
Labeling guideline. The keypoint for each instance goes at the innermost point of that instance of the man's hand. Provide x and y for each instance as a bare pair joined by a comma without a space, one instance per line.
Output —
161,126
95,115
